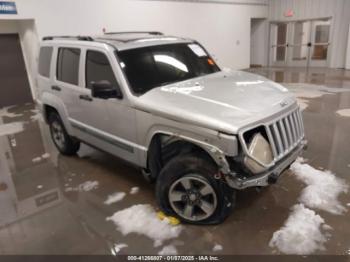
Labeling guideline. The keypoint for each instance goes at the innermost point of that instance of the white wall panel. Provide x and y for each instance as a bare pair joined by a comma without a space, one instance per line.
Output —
8,27
223,27
259,42
347,64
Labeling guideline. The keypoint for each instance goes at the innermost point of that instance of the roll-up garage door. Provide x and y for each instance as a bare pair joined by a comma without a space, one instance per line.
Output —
14,84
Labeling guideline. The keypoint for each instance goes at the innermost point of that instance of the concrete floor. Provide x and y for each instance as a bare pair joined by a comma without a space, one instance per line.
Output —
38,215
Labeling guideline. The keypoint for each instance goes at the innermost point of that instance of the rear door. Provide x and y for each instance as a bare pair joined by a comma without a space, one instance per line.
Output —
44,69
66,83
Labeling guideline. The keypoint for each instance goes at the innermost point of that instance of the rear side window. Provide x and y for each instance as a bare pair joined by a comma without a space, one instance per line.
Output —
98,69
45,60
68,65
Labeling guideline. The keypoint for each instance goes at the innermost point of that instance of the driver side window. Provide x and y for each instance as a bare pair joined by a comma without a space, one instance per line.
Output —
98,69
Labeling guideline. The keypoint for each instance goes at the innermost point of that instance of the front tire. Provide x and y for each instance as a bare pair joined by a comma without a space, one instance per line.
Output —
66,144
186,188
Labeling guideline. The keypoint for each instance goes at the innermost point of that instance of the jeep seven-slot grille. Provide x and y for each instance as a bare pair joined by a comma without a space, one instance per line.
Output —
285,134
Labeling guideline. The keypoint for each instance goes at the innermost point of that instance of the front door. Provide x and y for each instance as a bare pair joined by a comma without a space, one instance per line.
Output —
106,123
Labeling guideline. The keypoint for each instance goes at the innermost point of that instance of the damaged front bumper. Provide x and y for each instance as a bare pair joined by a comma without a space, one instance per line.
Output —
268,177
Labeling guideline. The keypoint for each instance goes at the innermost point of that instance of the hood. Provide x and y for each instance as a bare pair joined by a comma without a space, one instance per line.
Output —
223,101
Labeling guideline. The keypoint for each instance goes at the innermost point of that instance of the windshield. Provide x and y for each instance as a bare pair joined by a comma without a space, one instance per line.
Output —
150,67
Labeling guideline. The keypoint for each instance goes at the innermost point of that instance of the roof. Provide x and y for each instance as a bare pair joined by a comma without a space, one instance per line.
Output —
126,40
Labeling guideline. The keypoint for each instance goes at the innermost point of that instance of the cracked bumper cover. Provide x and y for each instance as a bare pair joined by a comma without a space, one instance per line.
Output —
269,176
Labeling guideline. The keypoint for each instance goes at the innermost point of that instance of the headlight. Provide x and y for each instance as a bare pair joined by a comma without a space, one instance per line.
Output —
259,148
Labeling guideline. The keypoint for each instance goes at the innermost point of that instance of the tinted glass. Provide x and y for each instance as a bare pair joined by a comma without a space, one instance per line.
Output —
155,66
68,65
45,60
98,69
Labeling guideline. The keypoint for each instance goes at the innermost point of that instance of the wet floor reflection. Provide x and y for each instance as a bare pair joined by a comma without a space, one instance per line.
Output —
329,77
45,210
35,214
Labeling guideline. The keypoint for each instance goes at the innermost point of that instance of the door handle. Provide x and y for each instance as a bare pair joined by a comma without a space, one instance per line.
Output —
85,97
56,88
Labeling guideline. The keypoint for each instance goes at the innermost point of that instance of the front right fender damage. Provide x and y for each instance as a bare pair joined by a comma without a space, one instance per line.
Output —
165,146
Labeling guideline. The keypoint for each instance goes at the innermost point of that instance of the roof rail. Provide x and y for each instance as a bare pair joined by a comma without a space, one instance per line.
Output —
80,38
135,32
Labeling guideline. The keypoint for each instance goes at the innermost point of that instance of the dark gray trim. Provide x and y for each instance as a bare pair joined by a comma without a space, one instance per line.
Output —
112,141
222,2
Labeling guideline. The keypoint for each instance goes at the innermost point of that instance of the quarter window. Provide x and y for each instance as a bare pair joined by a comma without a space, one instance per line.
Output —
68,65
45,60
98,69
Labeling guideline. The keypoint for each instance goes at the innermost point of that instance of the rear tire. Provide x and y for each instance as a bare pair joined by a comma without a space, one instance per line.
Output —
186,188
66,144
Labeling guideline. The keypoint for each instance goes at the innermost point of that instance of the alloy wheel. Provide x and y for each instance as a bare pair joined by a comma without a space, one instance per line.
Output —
192,197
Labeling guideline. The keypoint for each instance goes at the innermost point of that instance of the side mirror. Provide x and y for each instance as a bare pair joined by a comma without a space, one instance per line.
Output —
104,89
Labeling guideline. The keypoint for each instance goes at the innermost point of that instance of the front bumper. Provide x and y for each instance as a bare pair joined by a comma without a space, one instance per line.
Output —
270,175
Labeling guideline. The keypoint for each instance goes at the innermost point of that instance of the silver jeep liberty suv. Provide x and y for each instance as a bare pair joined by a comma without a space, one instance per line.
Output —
163,104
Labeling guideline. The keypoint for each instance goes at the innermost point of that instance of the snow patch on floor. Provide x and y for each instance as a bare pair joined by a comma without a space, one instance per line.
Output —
88,186
303,103
115,197
11,128
37,117
344,112
84,187
36,159
313,90
142,219
117,247
300,160
39,158
134,190
169,250
322,190
302,232
45,156
217,248
305,91
4,112
302,92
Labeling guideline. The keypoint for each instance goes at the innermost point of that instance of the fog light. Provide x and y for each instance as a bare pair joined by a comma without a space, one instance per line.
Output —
260,149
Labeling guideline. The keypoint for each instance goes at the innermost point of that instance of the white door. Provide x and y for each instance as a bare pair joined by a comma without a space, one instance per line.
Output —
299,47
279,44
320,34
300,43
106,123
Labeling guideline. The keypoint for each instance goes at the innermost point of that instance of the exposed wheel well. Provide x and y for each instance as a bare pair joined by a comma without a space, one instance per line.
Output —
47,111
164,147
